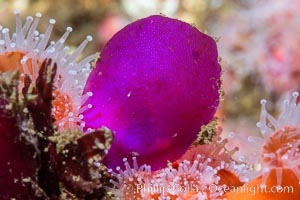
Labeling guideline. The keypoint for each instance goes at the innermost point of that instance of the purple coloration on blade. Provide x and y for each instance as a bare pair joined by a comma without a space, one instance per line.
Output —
156,83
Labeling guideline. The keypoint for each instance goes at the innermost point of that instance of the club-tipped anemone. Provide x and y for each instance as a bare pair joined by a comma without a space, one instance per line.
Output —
231,172
156,83
290,116
214,149
189,180
128,181
253,190
26,48
278,148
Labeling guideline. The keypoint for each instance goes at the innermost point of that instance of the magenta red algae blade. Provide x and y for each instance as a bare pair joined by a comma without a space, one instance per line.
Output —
156,83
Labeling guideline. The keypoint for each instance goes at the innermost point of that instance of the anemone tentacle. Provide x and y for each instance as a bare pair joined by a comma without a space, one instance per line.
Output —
33,47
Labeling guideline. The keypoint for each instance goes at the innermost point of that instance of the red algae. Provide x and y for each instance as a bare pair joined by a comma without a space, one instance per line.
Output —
19,161
37,161
18,166
156,83
157,86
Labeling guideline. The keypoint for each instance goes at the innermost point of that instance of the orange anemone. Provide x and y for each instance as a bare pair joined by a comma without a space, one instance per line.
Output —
27,48
289,189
